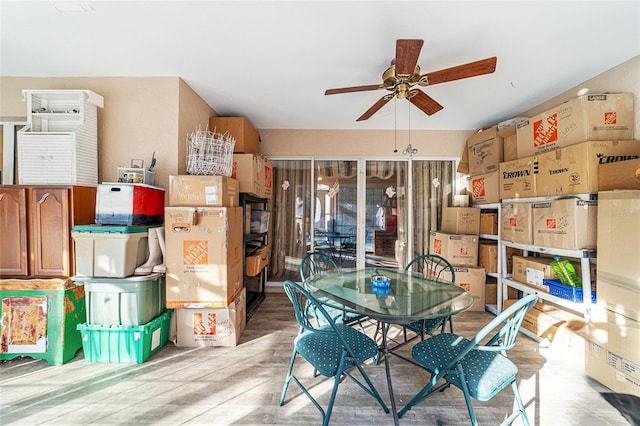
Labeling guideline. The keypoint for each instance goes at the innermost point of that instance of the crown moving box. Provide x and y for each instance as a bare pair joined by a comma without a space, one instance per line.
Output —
203,256
518,178
619,175
574,169
597,117
568,223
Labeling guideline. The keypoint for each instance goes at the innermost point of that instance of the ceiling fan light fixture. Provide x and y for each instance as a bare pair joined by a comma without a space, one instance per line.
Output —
402,91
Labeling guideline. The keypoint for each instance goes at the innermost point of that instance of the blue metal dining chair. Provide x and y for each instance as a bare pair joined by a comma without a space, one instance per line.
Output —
332,349
479,367
432,267
317,263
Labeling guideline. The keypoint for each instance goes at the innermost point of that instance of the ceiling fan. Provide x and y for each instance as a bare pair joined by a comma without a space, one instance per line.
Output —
404,74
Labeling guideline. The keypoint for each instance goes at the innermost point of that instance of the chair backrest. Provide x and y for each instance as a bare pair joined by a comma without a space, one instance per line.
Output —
432,266
505,327
316,263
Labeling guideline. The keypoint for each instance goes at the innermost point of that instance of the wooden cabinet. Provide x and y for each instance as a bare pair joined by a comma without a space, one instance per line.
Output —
36,225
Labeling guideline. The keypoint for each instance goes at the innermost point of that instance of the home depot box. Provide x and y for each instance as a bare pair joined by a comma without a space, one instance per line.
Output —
619,175
595,117
203,191
488,256
472,279
203,256
509,143
268,178
516,223
485,188
459,250
574,169
198,327
568,223
485,151
518,178
461,220
618,258
247,138
489,223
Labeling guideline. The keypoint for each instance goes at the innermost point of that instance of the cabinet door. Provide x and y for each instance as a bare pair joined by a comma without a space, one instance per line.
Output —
49,232
13,228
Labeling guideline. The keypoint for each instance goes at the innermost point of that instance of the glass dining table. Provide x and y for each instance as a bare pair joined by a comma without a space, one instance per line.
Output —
409,297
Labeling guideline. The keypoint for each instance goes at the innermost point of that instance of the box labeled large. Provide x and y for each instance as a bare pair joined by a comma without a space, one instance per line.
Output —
518,178
246,136
618,259
568,223
248,169
212,327
485,188
485,151
124,301
203,256
619,175
109,250
574,169
129,204
203,191
461,220
459,250
597,117
516,223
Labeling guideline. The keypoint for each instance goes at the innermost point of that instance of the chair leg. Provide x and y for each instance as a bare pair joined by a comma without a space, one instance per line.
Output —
327,415
288,379
467,396
518,399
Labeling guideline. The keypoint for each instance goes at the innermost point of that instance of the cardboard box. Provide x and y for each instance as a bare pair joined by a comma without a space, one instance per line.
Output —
257,261
247,138
268,178
461,220
211,327
489,223
459,250
472,279
485,151
601,366
619,334
532,270
568,223
203,256
488,256
485,189
518,178
509,143
516,223
597,117
203,191
510,253
463,165
618,258
248,169
491,292
619,175
574,169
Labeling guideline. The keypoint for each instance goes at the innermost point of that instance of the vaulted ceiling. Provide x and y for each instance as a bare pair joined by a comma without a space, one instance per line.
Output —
271,61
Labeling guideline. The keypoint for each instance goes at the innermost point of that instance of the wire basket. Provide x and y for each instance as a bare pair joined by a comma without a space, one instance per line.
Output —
210,153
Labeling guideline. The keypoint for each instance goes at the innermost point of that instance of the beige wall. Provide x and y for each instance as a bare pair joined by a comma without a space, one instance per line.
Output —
140,115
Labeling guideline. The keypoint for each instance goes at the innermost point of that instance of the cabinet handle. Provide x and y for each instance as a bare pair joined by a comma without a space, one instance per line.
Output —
44,197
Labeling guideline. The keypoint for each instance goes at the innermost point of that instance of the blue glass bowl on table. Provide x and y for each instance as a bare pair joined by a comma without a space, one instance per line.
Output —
381,285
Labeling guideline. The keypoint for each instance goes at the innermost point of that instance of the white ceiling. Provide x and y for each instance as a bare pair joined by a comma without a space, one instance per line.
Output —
271,61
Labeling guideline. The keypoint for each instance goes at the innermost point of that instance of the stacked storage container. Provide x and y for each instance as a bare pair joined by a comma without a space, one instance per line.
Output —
204,236
126,317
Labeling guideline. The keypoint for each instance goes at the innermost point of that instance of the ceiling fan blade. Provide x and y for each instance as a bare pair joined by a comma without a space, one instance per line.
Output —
353,89
407,52
376,107
472,69
425,102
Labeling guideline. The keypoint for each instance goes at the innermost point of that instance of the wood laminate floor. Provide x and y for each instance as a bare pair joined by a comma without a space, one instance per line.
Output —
242,385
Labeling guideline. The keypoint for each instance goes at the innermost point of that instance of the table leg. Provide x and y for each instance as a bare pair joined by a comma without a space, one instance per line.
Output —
385,352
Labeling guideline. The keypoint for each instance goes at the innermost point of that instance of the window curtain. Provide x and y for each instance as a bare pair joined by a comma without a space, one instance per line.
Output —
432,189
292,215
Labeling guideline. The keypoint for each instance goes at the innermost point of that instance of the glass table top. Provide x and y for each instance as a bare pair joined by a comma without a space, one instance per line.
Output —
409,297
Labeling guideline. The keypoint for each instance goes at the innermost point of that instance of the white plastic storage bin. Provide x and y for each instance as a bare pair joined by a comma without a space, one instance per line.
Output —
59,145
125,301
109,251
